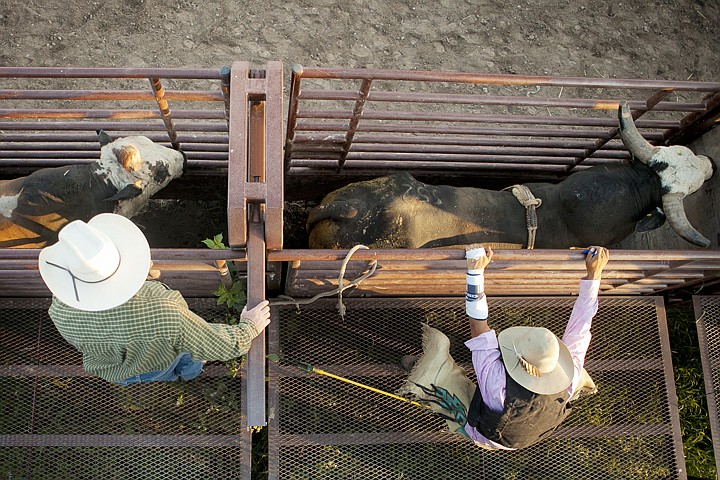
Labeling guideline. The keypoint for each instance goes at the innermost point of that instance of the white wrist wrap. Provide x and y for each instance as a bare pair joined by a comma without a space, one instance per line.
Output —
475,253
475,301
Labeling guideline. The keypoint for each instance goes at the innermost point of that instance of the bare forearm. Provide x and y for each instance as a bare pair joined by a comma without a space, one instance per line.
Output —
478,327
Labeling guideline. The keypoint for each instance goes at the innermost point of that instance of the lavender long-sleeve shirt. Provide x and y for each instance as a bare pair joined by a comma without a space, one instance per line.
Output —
488,364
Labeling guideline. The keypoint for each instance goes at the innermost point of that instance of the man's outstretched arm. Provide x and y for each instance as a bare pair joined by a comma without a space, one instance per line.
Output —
577,333
476,305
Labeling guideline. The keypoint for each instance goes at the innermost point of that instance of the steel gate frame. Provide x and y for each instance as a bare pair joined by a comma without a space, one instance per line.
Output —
346,126
249,151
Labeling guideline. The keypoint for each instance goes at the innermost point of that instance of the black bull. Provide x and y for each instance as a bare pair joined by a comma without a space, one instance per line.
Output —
130,170
601,206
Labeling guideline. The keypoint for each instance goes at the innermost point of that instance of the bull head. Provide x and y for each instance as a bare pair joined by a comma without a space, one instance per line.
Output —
137,168
681,173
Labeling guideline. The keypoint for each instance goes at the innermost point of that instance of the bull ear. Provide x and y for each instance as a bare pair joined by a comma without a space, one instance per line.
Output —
129,191
653,219
103,137
331,211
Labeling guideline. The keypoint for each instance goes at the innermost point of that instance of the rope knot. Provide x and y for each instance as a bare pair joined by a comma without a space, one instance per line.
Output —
527,200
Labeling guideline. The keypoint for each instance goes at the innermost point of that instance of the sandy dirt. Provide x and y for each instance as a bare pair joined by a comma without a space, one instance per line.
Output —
659,39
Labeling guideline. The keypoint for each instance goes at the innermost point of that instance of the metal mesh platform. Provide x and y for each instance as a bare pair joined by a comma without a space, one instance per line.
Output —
325,428
57,421
707,312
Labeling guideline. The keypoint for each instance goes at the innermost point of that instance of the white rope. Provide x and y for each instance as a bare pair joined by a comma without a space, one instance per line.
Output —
528,200
372,264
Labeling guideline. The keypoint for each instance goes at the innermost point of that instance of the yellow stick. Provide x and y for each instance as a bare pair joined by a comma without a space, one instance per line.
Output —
367,387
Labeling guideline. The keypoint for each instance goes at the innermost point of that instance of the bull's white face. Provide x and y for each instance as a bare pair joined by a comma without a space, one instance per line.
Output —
138,161
680,170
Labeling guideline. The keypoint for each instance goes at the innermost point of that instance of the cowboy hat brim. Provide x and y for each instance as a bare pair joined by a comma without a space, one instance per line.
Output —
120,286
555,381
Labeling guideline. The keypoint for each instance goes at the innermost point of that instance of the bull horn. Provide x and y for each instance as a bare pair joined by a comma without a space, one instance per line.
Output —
675,214
638,146
103,138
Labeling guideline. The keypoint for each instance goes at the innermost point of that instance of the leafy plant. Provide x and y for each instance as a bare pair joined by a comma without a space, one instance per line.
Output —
215,243
234,298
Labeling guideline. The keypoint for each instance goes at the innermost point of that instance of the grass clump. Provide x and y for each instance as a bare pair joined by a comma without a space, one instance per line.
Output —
690,387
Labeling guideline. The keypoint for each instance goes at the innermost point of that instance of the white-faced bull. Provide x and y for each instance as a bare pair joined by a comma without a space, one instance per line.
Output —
130,170
600,206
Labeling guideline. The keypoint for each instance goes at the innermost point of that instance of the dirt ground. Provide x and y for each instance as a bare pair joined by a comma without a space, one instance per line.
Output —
661,39
658,39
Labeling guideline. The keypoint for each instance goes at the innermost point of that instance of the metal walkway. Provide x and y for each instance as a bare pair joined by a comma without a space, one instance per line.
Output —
707,313
321,428
57,421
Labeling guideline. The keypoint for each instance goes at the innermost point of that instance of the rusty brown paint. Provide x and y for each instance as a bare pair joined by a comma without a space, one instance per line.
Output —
82,72
185,95
164,106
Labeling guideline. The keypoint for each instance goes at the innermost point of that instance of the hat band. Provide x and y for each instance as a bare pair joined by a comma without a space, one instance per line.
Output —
74,277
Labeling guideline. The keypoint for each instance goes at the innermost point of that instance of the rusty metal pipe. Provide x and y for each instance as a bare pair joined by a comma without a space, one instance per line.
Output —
500,79
357,112
506,255
164,108
469,99
462,130
112,126
224,272
108,114
323,141
386,115
185,95
100,72
292,112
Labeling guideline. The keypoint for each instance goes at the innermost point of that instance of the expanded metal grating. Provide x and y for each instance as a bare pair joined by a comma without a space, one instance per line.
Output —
707,312
57,421
323,428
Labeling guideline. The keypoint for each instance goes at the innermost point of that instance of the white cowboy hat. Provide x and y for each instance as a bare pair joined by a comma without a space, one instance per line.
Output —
96,265
536,359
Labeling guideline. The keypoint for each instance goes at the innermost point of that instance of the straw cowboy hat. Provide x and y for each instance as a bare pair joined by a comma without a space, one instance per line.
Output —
96,265
536,359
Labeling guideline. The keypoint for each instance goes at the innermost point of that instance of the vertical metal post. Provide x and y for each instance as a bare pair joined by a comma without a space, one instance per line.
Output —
297,71
164,107
237,156
256,248
355,120
671,400
225,87
254,397
274,397
275,171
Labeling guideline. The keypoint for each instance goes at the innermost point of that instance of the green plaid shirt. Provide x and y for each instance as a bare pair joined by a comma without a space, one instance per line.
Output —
146,333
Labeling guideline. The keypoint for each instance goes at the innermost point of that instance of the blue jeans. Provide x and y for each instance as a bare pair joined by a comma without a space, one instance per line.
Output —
183,366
